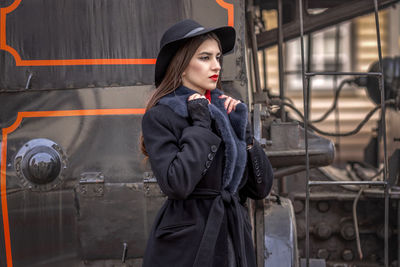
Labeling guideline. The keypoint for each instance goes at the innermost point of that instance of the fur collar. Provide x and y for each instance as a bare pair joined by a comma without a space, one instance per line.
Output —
232,128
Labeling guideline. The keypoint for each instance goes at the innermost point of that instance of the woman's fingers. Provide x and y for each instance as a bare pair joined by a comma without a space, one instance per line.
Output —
230,103
195,96
232,106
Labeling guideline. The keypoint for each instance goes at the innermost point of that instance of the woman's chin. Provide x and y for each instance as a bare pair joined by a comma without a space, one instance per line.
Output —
211,86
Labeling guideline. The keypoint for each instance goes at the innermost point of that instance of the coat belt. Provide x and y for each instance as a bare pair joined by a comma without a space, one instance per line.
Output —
224,201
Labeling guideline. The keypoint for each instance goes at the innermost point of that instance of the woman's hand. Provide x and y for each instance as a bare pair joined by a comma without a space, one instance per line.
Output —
197,96
198,111
230,103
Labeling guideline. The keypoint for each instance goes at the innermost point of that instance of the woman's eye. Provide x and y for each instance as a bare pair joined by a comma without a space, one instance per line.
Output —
204,58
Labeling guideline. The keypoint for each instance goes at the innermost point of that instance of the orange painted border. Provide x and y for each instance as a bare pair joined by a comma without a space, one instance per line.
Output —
230,8
14,126
74,62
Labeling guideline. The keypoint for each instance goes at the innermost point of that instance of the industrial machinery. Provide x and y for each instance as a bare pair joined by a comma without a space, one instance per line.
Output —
75,189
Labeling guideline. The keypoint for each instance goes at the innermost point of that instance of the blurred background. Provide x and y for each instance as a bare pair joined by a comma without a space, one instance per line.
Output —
349,46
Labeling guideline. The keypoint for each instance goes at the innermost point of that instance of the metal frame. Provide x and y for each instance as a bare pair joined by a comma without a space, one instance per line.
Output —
311,23
306,76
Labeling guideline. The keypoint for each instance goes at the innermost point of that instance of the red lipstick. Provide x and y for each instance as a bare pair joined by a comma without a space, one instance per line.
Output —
214,77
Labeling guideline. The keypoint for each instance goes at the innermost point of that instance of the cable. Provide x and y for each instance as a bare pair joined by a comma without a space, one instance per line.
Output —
334,104
356,223
356,130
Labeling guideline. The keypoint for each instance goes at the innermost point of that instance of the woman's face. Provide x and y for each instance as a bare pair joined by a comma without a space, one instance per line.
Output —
202,73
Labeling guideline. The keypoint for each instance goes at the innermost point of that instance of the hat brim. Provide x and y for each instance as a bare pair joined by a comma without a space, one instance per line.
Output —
225,34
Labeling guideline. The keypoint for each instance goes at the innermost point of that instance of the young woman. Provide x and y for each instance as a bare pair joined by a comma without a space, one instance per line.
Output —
202,153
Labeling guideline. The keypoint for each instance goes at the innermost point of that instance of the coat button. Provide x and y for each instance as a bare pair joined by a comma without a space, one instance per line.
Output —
259,180
214,148
210,156
208,163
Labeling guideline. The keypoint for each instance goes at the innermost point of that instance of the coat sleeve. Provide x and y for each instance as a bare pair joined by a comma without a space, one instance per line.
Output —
259,174
177,162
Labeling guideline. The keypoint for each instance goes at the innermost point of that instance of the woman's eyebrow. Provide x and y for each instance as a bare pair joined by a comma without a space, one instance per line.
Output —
208,53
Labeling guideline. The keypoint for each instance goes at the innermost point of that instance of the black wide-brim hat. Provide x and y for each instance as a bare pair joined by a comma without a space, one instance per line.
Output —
179,33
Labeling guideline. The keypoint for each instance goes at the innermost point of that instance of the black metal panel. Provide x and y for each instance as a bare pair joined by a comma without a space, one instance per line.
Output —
65,29
43,33
43,227
46,226
74,29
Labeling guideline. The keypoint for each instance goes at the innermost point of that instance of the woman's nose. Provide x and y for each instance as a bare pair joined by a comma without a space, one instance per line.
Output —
216,65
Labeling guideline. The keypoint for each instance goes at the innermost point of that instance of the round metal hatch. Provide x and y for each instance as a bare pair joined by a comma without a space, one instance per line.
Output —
40,164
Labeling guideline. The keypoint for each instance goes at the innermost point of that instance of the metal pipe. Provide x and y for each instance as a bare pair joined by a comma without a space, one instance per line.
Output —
383,125
398,233
367,194
264,62
124,251
280,59
305,103
264,54
251,31
335,83
378,74
375,183
355,220
282,182
309,64
28,81
287,171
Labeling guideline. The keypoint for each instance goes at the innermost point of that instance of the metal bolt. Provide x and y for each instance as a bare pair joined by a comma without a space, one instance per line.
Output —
347,255
301,230
348,232
323,253
323,230
298,206
323,206
380,232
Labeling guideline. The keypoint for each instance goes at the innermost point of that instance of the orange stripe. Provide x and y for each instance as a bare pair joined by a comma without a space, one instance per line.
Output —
14,53
74,62
2,28
82,112
13,6
14,126
4,207
230,9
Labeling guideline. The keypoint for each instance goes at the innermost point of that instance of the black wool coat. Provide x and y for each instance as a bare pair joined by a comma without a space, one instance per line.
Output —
206,180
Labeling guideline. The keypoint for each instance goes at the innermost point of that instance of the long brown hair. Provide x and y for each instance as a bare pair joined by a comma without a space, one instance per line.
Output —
176,67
